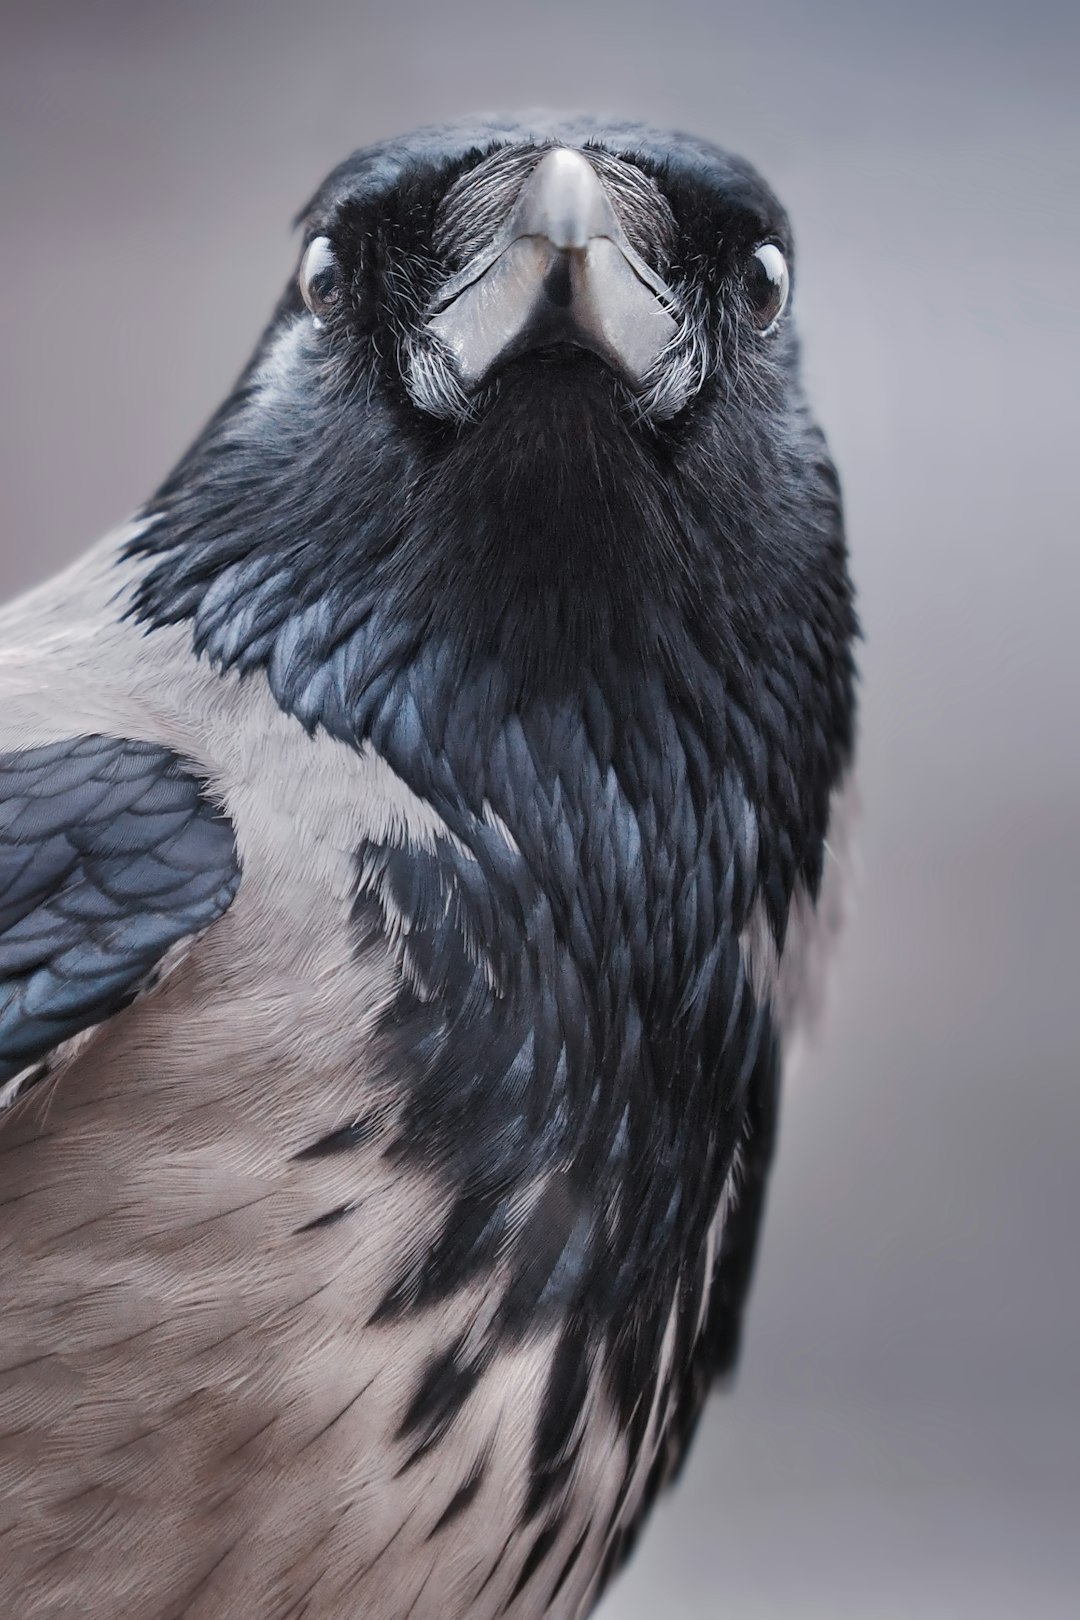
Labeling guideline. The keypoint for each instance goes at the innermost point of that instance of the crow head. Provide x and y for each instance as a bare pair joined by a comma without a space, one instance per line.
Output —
535,386
459,271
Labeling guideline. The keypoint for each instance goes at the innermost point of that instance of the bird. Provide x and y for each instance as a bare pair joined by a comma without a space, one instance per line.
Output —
418,826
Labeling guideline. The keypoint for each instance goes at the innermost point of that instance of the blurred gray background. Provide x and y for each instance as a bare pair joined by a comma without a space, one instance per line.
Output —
903,1440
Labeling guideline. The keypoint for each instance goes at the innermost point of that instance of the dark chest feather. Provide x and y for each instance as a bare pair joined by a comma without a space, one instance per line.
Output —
576,1036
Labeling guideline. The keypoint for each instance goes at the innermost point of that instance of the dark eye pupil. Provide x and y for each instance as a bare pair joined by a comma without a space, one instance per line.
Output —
321,287
319,276
766,284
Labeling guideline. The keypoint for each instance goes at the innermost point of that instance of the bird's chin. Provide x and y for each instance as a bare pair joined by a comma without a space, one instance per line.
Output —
561,354
558,379
570,360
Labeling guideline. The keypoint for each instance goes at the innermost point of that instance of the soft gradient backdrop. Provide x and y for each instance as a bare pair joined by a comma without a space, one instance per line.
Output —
903,1439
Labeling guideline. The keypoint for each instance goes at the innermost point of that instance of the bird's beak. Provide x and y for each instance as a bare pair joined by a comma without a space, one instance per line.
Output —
560,271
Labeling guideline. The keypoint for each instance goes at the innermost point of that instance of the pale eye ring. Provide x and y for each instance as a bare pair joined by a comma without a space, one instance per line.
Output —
767,283
319,284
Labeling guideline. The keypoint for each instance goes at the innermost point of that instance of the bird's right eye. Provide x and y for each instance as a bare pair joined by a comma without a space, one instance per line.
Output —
319,284
767,282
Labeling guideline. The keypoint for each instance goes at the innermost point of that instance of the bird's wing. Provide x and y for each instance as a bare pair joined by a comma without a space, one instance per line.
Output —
111,855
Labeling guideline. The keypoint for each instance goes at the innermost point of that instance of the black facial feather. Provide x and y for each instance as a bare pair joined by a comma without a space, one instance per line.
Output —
609,641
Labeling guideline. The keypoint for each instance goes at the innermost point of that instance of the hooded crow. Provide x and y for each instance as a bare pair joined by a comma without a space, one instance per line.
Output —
414,851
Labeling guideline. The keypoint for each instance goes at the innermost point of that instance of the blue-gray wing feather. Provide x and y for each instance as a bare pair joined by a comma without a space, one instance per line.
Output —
111,852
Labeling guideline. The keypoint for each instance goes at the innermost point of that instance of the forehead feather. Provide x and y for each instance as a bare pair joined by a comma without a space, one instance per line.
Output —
439,150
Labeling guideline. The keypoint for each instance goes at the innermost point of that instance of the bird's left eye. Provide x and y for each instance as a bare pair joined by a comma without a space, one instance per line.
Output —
766,281
319,286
